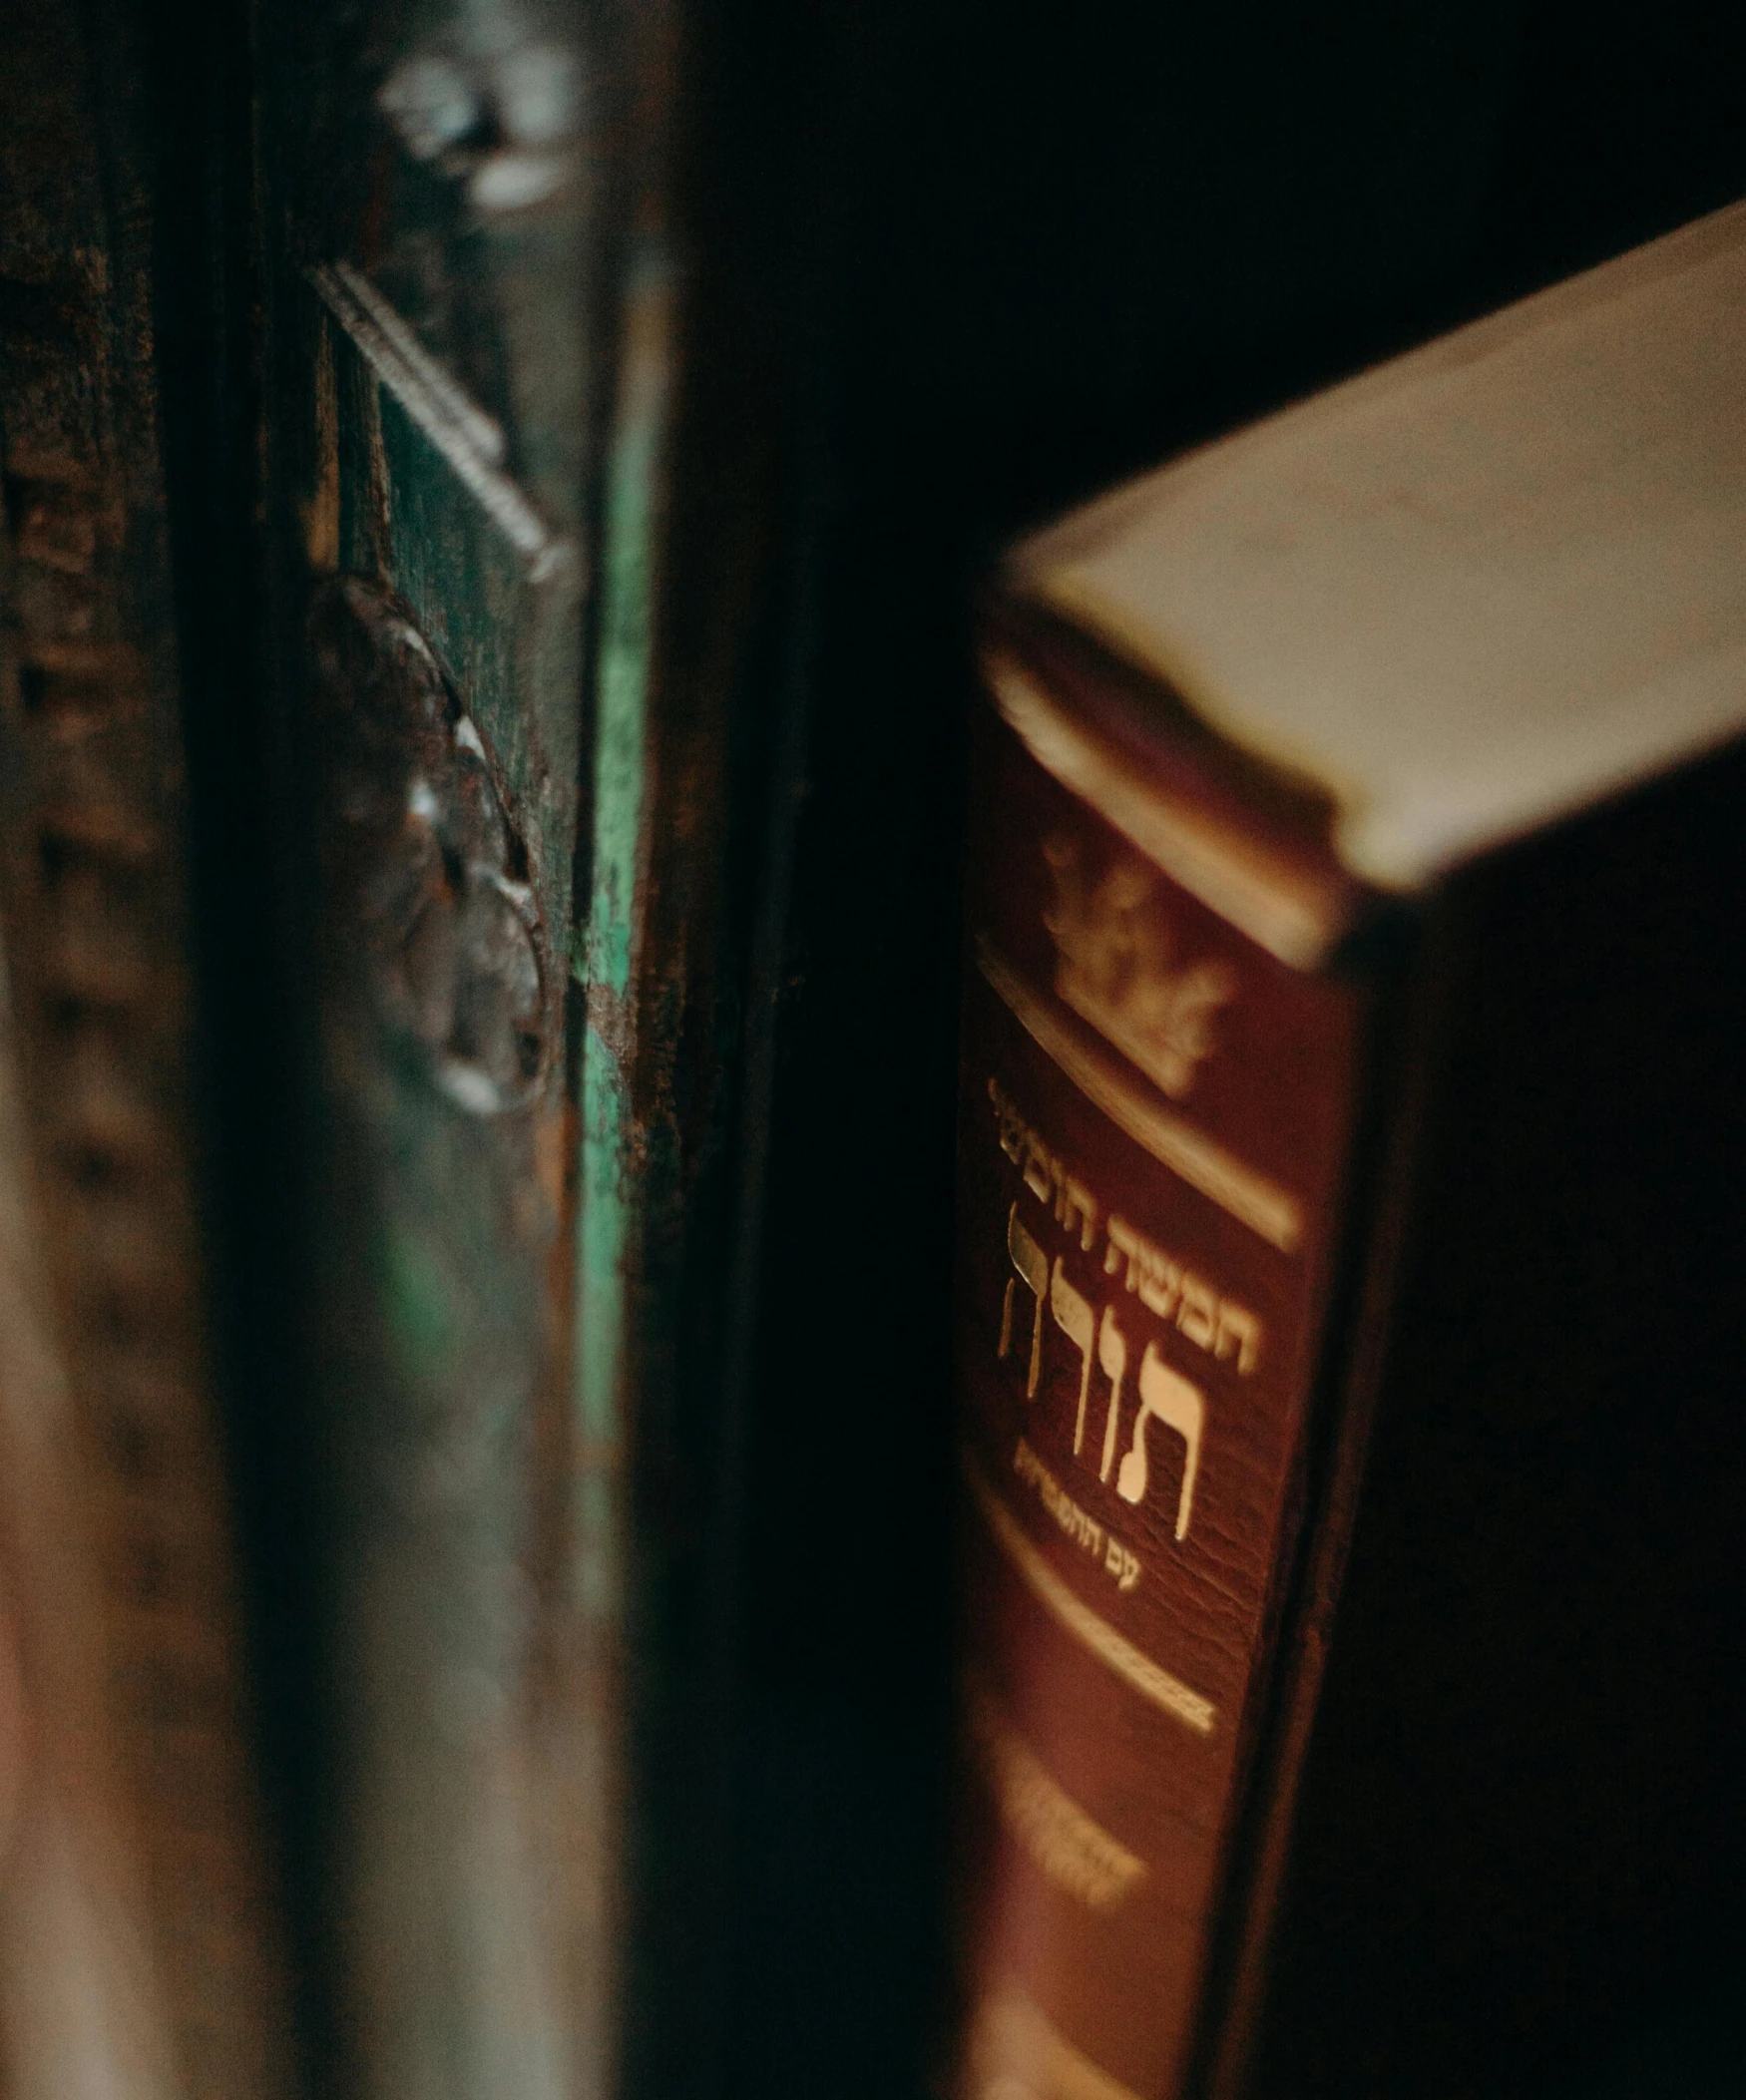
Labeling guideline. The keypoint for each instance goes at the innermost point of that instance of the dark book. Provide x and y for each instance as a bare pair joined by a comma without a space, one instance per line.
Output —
140,1941
496,810
471,403
429,248
1349,1154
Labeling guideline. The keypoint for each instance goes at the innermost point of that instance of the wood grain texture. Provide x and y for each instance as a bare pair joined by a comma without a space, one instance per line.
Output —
93,897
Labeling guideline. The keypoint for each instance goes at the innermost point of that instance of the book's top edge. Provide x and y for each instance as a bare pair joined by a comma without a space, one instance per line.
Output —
1468,591
1248,840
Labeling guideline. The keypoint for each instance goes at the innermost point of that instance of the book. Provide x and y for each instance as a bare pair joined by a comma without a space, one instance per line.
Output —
140,1941
1348,1146
512,801
430,245
470,348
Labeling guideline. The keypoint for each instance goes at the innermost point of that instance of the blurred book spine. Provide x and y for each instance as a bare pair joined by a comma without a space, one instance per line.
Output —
141,1920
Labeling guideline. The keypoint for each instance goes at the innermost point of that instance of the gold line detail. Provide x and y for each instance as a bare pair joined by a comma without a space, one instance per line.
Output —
1066,1843
1291,916
1110,1648
1016,2047
462,432
1262,1205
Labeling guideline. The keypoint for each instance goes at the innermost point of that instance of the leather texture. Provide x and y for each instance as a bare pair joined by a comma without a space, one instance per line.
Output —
1156,1122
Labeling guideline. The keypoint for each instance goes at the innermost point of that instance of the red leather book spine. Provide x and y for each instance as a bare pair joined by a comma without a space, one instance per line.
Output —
1155,1124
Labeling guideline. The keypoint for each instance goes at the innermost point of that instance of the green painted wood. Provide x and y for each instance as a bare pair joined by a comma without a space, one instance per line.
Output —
521,1332
437,313
610,943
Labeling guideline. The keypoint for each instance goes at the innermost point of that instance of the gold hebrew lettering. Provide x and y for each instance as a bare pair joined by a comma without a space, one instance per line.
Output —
1160,1283
1239,1330
1270,1210
1150,1679
1072,1315
1170,1399
1075,1204
1011,1122
1124,1243
1122,1564
1112,1360
1165,1287
1031,1264
1081,1530
1150,1271
1197,1316
1038,1162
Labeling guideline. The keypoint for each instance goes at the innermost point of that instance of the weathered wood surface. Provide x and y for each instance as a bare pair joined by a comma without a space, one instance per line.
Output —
140,1944
434,221
515,469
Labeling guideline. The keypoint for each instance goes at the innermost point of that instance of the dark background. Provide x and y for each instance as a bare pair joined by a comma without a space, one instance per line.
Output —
1036,248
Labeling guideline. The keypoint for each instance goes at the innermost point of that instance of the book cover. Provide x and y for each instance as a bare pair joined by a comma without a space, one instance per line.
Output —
144,1949
1305,1112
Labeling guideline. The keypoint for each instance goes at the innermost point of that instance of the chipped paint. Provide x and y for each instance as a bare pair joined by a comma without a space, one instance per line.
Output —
622,793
